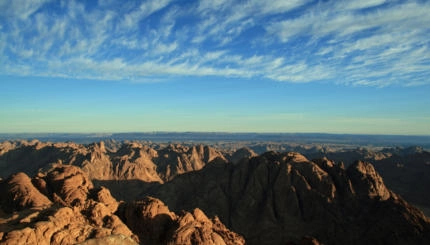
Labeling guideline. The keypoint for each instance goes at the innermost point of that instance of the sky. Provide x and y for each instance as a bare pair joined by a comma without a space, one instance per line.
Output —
360,67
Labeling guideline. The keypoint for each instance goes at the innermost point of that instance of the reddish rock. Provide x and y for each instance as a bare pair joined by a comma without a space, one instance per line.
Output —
196,228
110,240
79,212
70,183
366,181
154,223
104,196
275,198
240,154
19,193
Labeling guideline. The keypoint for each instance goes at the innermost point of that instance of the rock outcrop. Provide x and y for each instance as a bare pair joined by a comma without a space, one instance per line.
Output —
154,223
67,214
130,161
176,159
72,211
241,153
404,170
18,193
367,182
110,240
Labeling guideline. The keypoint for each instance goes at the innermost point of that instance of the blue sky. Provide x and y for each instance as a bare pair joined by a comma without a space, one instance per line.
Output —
235,66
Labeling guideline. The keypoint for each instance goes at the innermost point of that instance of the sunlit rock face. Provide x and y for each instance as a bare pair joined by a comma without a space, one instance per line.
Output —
72,211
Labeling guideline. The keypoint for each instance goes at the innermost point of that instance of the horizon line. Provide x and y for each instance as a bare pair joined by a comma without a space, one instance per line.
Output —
210,132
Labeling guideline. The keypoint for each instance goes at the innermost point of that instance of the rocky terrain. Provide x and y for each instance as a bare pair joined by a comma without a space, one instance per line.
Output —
129,161
129,193
404,170
275,198
63,207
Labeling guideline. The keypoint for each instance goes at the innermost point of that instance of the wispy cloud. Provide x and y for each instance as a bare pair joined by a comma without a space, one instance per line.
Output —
364,43
357,5
145,9
20,8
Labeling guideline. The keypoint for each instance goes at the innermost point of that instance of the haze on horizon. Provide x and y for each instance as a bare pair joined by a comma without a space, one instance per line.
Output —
359,67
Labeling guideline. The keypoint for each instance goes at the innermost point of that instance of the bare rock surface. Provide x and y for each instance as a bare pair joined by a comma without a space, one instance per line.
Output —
110,240
241,153
18,193
130,161
366,181
78,213
404,170
282,197
272,198
71,215
154,223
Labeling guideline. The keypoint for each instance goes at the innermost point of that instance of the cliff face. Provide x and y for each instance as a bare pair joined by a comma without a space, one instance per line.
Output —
275,198
130,161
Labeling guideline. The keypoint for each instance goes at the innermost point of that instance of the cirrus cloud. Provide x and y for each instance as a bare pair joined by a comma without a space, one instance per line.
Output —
366,43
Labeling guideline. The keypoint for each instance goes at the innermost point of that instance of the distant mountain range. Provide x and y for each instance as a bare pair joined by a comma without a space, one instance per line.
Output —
203,137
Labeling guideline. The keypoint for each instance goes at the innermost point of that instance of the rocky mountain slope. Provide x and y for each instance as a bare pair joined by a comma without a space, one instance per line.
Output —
275,198
405,170
271,198
129,161
63,207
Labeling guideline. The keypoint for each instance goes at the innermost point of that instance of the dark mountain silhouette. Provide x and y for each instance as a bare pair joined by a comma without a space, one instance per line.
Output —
275,198
405,170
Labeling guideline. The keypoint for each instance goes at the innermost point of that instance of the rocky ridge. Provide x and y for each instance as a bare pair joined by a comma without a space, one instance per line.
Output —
404,170
71,210
276,198
130,161
63,207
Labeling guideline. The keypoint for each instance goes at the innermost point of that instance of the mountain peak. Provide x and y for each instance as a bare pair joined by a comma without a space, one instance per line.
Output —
366,181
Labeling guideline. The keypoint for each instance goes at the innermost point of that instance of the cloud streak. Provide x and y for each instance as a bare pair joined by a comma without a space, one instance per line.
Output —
366,43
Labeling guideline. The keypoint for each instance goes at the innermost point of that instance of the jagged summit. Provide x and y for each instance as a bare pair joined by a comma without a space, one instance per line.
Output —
279,197
130,161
